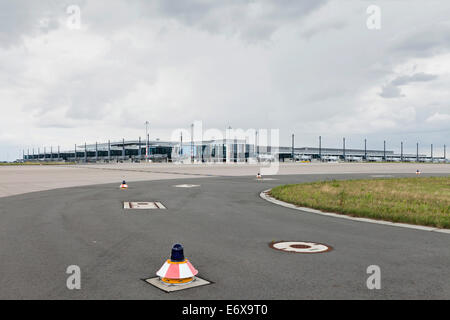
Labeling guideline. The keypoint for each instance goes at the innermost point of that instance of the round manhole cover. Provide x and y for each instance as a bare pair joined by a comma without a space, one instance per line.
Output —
300,247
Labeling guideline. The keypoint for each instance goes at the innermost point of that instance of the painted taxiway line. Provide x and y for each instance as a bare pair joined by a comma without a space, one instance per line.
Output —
264,194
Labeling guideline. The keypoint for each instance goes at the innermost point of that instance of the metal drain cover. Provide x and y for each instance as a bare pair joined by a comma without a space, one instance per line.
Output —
300,247
142,205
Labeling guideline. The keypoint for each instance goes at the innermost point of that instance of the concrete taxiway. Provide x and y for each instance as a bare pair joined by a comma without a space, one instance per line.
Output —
225,228
23,179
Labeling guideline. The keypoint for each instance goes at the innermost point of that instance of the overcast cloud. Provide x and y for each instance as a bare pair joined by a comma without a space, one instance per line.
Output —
305,67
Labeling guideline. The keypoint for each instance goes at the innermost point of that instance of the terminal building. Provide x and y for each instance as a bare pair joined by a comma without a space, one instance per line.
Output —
211,151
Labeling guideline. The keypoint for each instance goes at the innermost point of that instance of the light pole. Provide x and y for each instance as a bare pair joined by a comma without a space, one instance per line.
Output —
292,147
148,140
320,148
417,152
365,149
123,149
401,151
431,152
139,150
181,143
256,145
192,143
343,148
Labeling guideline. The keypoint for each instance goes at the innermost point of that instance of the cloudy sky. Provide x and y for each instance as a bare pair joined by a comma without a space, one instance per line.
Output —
306,67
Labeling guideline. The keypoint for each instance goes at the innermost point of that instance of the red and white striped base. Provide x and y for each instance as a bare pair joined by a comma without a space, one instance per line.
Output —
177,270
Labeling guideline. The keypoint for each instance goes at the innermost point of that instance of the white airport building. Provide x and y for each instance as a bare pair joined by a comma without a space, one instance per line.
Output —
211,151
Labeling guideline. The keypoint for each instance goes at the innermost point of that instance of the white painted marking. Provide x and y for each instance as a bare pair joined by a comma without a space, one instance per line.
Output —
160,205
143,205
187,185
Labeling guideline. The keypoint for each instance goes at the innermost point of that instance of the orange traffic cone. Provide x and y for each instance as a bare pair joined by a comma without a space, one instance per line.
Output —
124,185
417,172
258,176
177,270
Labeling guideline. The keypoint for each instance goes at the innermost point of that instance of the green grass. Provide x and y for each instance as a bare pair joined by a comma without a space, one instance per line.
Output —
421,201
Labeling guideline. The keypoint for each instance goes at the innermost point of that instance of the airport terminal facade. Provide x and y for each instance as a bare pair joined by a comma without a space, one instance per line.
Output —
211,151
